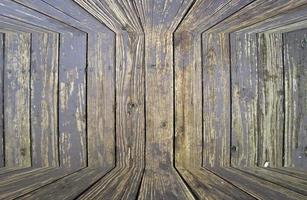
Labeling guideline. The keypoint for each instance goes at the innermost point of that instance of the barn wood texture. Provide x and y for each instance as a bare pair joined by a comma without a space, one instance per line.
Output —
153,99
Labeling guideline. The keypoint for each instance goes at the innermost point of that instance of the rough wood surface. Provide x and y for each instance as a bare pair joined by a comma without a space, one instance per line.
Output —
188,100
44,89
295,49
130,99
1,99
17,99
72,100
256,187
216,94
244,87
207,185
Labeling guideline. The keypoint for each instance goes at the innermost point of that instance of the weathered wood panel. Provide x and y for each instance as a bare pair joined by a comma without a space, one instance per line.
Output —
66,187
100,76
72,100
244,99
2,38
188,100
295,62
17,99
44,99
216,106
206,13
255,186
166,15
130,114
207,185
271,101
163,185
101,99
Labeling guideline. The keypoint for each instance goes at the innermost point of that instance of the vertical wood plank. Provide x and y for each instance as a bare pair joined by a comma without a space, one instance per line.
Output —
188,100
159,101
1,99
271,101
216,94
101,99
295,62
17,100
72,100
44,99
159,29
130,105
244,80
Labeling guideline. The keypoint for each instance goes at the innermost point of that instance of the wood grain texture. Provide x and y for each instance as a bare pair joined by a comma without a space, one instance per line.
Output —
163,185
271,100
244,98
18,186
159,81
205,14
130,119
216,107
295,184
207,185
17,100
295,62
72,100
100,76
188,100
58,190
255,186
129,99
2,38
44,104
101,99
120,183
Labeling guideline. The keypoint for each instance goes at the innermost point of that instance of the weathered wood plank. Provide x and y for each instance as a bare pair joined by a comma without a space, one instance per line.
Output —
216,94
6,170
255,186
100,76
26,15
244,98
72,100
249,15
292,183
44,99
271,101
130,119
163,185
166,15
159,101
2,39
17,175
207,185
17,187
188,100
206,14
66,187
295,62
17,100
291,172
101,99
120,183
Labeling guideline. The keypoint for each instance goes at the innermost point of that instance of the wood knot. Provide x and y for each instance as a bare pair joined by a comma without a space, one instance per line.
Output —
233,148
23,151
131,107
164,124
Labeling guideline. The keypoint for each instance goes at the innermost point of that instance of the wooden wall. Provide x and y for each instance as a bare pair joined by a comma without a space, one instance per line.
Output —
185,99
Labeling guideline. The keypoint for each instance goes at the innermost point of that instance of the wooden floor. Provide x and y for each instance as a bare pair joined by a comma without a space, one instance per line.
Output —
153,99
